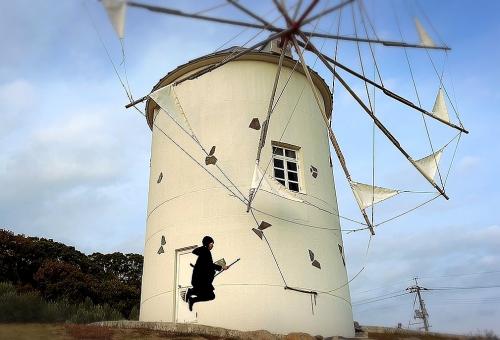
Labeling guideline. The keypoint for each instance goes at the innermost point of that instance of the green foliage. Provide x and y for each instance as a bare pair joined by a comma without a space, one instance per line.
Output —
6,287
31,307
60,272
134,313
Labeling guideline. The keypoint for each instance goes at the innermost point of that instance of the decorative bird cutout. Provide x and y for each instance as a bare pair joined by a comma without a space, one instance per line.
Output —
314,171
160,178
211,159
341,253
311,255
264,225
314,262
255,124
258,232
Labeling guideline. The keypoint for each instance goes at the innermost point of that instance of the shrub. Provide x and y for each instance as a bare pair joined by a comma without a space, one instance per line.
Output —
134,313
6,287
31,307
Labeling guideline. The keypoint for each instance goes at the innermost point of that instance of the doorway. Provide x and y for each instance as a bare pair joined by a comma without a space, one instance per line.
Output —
184,260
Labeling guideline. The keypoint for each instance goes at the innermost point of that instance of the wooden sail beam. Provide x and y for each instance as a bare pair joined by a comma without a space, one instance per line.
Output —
374,41
331,135
358,75
283,12
386,91
175,12
377,122
307,12
326,11
265,124
242,8
298,4
170,11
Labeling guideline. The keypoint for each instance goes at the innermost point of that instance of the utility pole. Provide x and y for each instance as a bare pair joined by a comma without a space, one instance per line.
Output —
422,312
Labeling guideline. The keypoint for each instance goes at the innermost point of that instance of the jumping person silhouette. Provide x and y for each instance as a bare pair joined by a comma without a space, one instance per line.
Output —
203,274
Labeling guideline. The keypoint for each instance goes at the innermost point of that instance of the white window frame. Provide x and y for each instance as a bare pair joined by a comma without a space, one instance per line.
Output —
285,158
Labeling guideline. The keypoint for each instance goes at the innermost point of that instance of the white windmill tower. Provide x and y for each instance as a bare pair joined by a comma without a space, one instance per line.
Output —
290,243
278,211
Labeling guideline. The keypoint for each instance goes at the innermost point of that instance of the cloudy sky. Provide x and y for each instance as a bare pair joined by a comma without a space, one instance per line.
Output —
74,164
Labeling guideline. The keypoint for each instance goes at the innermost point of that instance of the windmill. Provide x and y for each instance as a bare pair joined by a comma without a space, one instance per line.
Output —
241,151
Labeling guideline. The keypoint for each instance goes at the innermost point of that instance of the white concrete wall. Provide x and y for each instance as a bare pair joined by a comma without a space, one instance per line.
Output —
188,204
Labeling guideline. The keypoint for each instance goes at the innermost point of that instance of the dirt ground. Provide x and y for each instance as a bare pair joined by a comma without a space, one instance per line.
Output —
34,331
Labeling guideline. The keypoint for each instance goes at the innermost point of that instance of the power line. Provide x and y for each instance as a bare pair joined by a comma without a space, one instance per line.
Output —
464,274
472,287
381,299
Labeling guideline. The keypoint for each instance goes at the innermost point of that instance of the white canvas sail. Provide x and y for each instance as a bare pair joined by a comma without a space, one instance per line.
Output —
116,10
429,164
269,184
168,101
425,39
366,194
440,110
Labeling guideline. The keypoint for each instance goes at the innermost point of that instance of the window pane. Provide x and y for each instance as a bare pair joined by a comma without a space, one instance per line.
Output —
292,176
291,166
290,153
279,173
278,163
293,186
282,182
277,151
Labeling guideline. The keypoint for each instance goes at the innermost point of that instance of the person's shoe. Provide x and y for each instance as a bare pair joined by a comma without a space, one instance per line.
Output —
191,303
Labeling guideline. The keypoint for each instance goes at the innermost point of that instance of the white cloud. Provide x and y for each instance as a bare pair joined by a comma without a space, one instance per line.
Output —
468,163
17,98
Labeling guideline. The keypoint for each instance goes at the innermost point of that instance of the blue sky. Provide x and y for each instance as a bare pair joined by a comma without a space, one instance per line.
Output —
74,164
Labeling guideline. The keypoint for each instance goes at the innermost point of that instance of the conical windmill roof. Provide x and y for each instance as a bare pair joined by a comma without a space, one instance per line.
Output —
213,58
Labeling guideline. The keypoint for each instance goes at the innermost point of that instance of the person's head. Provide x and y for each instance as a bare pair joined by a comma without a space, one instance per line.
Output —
208,242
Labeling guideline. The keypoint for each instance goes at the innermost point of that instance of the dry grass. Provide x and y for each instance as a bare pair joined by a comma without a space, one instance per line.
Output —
89,332
397,336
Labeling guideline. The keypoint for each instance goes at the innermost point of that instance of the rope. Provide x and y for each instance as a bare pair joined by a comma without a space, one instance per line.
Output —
444,88
198,163
418,97
335,59
197,141
254,194
452,159
420,8
270,248
372,106
408,211
106,49
246,29
211,8
293,111
450,76
362,268
363,14
122,44
313,226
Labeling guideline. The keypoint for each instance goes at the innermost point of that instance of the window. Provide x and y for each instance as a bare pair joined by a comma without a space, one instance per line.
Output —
286,166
